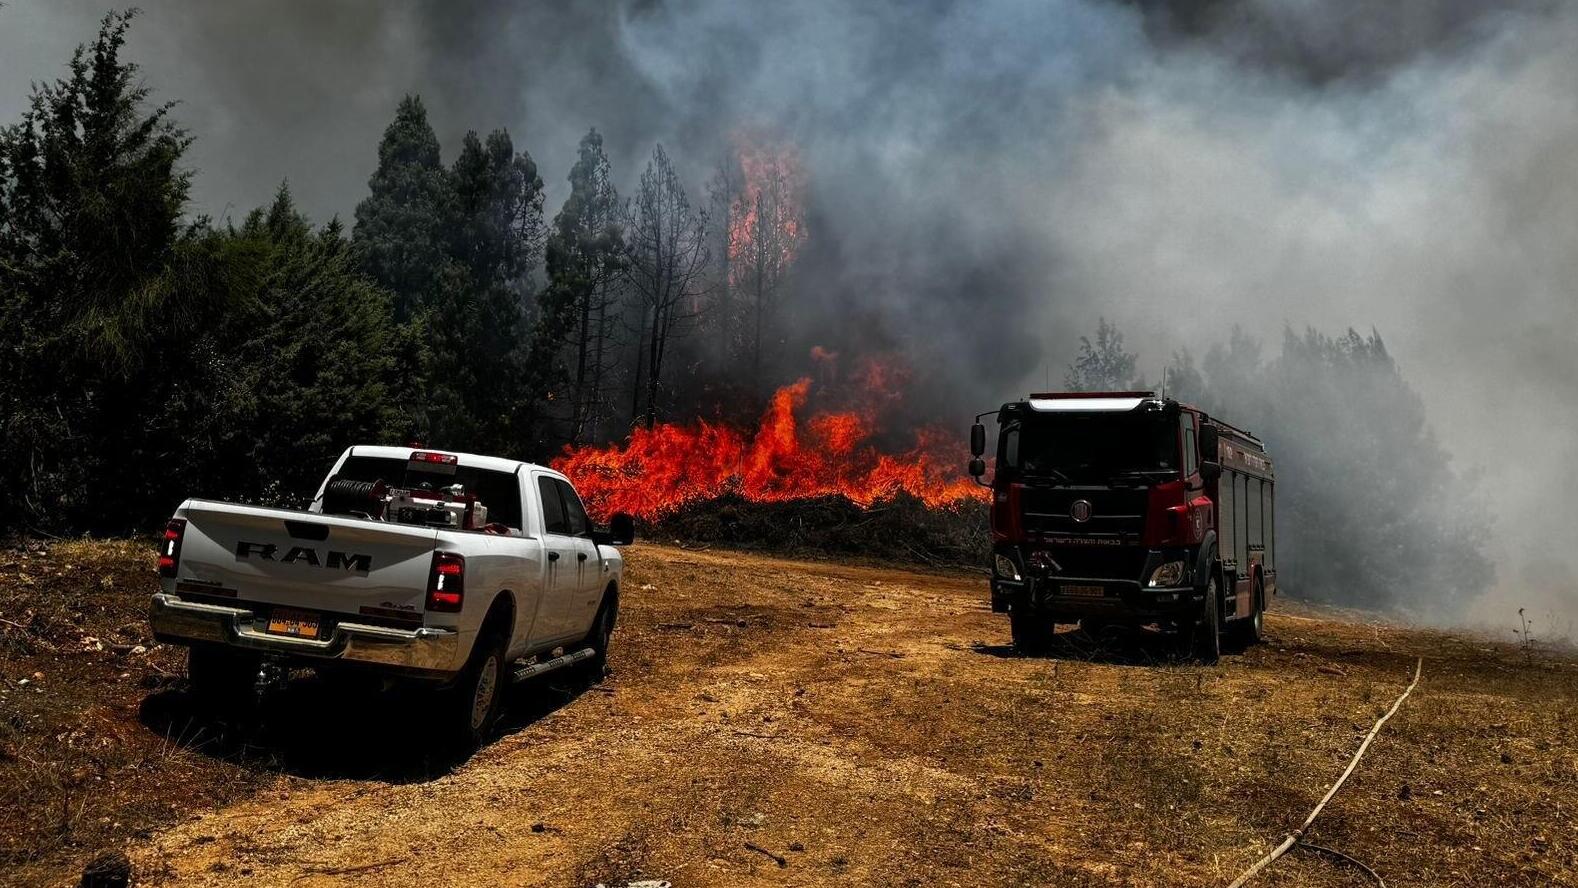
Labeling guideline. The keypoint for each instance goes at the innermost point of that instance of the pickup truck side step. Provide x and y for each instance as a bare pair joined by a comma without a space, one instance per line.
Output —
532,670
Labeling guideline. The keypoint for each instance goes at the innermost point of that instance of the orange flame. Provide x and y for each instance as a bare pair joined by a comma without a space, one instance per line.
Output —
663,468
766,225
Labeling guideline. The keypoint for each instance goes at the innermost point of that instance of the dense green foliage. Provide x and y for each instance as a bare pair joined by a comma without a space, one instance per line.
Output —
151,357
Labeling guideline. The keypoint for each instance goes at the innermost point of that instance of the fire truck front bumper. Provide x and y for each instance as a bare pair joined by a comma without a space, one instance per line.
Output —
1072,598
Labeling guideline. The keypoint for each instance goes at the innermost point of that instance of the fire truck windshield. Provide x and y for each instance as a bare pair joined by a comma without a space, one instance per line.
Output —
1092,448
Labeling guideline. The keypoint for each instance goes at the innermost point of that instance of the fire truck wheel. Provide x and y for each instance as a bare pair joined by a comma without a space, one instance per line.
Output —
1247,631
1203,638
1032,632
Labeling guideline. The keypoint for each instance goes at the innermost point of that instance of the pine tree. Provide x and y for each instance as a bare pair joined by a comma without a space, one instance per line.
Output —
314,388
484,347
402,227
585,254
100,288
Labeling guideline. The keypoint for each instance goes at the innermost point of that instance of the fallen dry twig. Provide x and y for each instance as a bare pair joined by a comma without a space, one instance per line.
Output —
777,858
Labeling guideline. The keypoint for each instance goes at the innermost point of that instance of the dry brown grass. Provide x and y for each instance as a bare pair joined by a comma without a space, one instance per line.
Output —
79,772
870,726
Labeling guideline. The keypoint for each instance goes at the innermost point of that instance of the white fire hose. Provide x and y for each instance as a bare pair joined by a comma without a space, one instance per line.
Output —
1297,835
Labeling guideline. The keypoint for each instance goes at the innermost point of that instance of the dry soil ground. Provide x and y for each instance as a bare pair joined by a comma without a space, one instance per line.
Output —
774,722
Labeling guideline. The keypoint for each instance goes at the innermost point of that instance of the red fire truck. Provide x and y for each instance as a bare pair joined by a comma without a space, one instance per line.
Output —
1128,508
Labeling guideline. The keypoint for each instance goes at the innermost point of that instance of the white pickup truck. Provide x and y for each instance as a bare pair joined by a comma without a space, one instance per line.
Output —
456,570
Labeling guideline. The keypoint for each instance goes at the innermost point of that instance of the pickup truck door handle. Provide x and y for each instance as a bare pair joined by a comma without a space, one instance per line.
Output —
553,556
580,556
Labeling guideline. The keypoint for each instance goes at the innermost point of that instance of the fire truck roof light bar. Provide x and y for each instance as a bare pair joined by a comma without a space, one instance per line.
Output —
1042,396
1084,404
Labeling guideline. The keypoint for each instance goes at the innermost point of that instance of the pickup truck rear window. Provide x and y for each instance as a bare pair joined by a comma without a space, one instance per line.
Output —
499,491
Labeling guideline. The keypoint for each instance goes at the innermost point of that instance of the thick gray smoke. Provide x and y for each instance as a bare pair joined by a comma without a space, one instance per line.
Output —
987,178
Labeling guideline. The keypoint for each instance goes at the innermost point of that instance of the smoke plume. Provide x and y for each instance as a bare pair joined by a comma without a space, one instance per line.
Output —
987,178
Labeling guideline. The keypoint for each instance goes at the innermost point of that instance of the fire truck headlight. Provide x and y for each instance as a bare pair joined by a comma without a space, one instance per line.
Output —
1007,569
1168,574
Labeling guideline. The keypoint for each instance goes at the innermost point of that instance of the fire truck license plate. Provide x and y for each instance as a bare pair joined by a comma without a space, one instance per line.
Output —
1084,591
299,624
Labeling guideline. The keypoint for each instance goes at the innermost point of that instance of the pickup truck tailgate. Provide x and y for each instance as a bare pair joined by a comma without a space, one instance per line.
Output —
305,560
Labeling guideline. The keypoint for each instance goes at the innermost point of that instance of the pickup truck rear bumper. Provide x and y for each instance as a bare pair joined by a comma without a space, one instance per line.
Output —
422,649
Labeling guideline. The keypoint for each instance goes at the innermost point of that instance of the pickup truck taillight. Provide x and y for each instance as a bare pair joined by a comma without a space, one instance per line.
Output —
170,547
446,584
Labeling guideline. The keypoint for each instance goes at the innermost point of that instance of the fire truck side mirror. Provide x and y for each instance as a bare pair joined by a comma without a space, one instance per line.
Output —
977,468
1210,470
1208,451
977,444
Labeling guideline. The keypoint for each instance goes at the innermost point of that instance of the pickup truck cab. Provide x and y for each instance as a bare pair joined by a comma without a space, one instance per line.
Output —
451,569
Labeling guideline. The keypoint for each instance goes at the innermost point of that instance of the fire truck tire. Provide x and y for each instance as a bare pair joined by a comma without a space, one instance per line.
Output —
1248,630
1032,632
1203,637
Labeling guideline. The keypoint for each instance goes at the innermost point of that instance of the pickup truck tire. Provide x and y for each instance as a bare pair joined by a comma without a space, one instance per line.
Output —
1032,632
602,635
220,676
477,698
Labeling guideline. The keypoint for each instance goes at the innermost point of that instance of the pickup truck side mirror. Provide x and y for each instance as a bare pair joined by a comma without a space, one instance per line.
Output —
621,531
977,445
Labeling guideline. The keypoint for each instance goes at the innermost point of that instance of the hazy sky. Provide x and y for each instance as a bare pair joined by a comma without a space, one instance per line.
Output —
988,177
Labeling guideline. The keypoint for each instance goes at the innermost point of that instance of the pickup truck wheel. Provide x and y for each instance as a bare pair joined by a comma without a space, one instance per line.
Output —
602,636
1032,632
217,675
478,697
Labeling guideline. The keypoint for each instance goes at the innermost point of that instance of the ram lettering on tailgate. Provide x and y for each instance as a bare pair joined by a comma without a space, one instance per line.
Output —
304,555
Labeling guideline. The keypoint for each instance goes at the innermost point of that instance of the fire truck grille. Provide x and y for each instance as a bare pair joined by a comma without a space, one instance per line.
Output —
1117,513
1099,562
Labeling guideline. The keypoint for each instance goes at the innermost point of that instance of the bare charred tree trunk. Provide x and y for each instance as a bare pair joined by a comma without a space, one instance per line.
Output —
775,234
596,409
724,195
667,261
635,388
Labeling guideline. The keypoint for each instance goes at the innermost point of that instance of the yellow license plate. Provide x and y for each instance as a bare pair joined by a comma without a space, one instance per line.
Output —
1084,591
295,623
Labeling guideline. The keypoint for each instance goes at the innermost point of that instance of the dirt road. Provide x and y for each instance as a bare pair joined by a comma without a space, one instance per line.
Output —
870,727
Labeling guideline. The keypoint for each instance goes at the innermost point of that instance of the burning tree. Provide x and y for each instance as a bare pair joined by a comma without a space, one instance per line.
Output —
766,230
666,259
